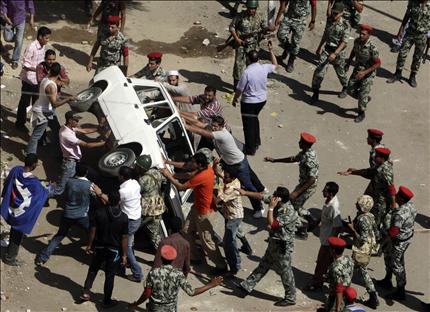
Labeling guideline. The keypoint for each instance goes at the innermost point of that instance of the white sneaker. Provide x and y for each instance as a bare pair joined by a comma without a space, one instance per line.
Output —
259,214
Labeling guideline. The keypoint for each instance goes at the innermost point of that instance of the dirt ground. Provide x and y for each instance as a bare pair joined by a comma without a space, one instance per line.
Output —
169,26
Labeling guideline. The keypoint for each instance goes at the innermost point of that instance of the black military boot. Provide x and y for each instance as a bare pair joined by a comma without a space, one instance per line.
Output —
246,247
360,117
302,233
398,294
342,93
284,303
284,54
315,96
290,65
397,77
373,301
385,282
413,80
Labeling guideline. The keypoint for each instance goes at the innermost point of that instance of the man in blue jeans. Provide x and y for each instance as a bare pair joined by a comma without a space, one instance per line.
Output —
78,194
14,13
231,156
130,204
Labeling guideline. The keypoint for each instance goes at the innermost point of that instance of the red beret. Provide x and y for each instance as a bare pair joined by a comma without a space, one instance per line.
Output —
336,241
350,294
113,19
168,252
383,151
375,132
307,137
366,27
405,192
155,55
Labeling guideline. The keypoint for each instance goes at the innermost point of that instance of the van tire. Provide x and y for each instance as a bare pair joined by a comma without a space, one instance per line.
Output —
85,99
110,163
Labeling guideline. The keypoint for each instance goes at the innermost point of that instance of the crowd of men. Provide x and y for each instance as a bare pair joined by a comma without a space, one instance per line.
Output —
384,222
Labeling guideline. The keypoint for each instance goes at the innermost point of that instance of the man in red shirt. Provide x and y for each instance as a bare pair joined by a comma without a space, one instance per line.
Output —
201,216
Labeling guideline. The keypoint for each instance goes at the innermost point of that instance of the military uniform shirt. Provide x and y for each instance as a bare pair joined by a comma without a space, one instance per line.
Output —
247,27
372,154
404,218
384,177
366,229
365,54
308,165
146,73
340,272
298,8
111,49
336,33
419,21
165,282
150,189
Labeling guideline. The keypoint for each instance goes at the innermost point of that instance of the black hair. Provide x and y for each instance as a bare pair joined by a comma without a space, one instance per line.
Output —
81,170
30,160
210,89
114,198
43,32
283,193
55,69
231,170
338,250
386,157
332,187
49,52
252,56
219,120
175,224
126,172
201,160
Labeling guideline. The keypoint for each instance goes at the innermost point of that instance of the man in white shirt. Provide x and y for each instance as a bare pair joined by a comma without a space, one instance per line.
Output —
329,225
129,192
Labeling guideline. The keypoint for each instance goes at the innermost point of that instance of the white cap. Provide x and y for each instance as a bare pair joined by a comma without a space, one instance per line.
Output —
172,73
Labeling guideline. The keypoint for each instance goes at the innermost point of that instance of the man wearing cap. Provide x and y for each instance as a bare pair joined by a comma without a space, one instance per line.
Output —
112,48
418,15
366,235
152,70
282,221
71,147
293,20
367,60
246,28
339,274
331,50
381,186
163,283
151,188
177,88
374,138
350,296
351,11
400,231
308,178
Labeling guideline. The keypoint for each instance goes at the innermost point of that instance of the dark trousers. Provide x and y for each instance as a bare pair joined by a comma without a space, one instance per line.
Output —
15,240
324,260
29,94
251,125
111,259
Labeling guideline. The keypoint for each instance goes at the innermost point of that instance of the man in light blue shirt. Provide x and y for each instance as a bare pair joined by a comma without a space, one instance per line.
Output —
252,86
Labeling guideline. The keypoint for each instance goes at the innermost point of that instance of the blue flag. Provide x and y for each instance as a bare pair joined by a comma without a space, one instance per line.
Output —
23,199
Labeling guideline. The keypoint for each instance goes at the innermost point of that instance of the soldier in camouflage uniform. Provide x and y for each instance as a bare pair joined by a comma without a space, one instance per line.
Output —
293,20
308,179
381,187
339,274
246,28
335,38
366,62
400,231
151,180
374,138
366,234
282,221
418,15
163,283
352,10
112,48
153,70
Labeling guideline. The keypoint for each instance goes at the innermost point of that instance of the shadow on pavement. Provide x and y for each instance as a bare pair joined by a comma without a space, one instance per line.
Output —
78,56
210,79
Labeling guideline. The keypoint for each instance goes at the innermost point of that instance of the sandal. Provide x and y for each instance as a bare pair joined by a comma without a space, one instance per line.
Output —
85,297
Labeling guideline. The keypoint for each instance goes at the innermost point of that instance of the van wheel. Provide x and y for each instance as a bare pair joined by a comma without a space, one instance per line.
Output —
85,99
110,163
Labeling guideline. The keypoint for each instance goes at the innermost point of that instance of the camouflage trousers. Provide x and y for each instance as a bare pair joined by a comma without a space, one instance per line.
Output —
394,259
321,69
152,306
362,272
151,225
300,201
379,210
240,59
360,89
297,27
420,42
279,260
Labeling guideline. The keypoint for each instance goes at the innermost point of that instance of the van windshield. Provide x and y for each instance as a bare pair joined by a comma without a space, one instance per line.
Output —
156,106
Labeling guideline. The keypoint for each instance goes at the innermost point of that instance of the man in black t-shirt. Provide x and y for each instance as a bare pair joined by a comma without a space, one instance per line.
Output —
108,241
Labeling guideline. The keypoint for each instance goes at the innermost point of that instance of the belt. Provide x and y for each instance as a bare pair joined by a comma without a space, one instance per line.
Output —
71,159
